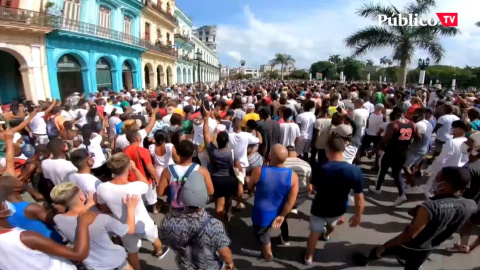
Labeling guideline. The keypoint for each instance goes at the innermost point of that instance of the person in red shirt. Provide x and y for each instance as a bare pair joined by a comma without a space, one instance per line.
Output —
143,161
416,103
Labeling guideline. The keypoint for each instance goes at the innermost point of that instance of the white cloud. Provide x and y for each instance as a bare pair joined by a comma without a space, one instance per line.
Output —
315,34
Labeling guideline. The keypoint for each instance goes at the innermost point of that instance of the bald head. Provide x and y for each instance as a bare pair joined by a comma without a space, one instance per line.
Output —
279,154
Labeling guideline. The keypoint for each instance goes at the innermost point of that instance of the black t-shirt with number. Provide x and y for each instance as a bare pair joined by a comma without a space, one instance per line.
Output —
401,138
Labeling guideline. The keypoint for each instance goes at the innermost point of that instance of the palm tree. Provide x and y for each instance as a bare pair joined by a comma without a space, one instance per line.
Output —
403,39
242,63
384,61
335,58
369,63
282,59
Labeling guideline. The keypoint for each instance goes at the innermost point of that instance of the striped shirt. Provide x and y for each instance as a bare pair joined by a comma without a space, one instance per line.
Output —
303,171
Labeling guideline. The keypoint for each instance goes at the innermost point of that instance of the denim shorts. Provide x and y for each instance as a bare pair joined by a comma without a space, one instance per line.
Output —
318,224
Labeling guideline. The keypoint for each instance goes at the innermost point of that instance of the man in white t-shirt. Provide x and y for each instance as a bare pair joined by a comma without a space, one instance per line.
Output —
58,169
306,121
83,178
38,126
289,130
360,116
109,196
443,127
81,116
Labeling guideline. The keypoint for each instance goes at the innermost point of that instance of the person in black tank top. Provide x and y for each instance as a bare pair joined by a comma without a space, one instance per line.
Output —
433,222
398,137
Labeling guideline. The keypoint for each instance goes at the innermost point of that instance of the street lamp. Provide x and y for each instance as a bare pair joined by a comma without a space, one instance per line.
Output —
199,58
422,64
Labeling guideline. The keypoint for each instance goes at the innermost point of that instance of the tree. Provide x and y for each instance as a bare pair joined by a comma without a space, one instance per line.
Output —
369,63
299,74
324,67
403,39
384,61
352,68
282,59
477,24
242,63
273,74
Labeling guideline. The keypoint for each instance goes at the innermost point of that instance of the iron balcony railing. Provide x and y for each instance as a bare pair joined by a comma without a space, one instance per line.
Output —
186,39
95,30
160,48
29,17
159,9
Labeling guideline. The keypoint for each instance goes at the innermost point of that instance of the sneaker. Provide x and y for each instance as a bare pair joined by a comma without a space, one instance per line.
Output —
374,189
306,261
165,250
287,243
413,190
400,200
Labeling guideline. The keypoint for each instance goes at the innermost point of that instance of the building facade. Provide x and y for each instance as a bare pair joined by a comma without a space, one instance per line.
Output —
158,30
185,46
96,45
208,35
23,72
251,71
206,62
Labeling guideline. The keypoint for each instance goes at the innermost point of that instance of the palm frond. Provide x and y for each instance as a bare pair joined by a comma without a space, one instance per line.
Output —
437,30
433,47
404,51
420,6
477,24
372,11
374,36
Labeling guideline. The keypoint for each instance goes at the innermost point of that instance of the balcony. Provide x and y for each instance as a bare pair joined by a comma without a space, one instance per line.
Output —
185,58
15,17
168,16
184,38
97,31
160,48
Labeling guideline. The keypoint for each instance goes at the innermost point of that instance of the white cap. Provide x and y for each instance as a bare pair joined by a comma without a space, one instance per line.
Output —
250,106
118,111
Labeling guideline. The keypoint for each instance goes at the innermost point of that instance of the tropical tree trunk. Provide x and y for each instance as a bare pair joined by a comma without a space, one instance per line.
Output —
402,73
281,72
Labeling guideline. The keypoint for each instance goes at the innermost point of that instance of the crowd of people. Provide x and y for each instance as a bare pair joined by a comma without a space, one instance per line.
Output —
81,178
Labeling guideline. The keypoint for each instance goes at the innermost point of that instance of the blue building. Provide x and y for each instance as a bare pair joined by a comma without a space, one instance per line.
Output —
95,45
183,40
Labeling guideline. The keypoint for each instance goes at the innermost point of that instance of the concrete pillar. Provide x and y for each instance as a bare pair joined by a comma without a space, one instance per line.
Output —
421,78
454,82
368,77
28,80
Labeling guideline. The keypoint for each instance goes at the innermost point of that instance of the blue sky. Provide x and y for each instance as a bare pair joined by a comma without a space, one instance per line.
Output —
311,30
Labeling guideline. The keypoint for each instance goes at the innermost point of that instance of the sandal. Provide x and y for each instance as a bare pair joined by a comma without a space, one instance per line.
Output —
457,248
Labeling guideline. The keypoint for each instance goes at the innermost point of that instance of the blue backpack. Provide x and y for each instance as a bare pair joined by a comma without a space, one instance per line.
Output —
52,130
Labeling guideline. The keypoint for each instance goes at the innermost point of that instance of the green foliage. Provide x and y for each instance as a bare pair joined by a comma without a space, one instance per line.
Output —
324,67
403,40
299,75
49,5
273,75
445,74
352,68
282,59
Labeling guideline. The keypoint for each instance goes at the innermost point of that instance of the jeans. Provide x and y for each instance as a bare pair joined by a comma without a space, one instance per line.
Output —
317,153
394,161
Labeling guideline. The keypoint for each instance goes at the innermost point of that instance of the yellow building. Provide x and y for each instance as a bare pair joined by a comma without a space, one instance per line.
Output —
23,71
157,29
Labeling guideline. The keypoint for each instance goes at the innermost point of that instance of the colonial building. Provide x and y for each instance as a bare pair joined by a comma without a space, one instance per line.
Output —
96,45
23,69
208,35
206,62
158,31
183,42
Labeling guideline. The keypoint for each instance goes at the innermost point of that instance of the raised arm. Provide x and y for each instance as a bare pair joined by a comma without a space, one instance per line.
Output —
79,252
150,125
50,108
206,132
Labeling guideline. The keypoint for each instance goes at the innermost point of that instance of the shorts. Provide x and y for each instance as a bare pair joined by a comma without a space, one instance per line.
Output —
367,140
438,145
318,224
263,234
413,159
224,186
151,196
303,146
133,242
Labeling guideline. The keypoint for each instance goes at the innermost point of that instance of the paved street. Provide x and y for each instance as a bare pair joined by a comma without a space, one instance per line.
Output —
380,223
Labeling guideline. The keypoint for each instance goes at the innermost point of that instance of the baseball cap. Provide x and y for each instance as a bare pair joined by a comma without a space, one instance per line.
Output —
194,191
250,106
343,130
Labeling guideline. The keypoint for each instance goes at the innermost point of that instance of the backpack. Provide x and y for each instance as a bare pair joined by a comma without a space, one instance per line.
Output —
176,185
52,130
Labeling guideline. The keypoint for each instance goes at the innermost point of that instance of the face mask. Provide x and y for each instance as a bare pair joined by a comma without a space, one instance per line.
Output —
290,118
8,209
22,145
464,149
437,187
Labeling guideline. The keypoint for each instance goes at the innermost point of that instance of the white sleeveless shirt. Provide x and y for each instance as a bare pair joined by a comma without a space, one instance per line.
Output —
15,255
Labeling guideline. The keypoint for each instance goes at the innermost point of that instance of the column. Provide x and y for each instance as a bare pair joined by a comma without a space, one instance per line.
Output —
28,80
421,78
